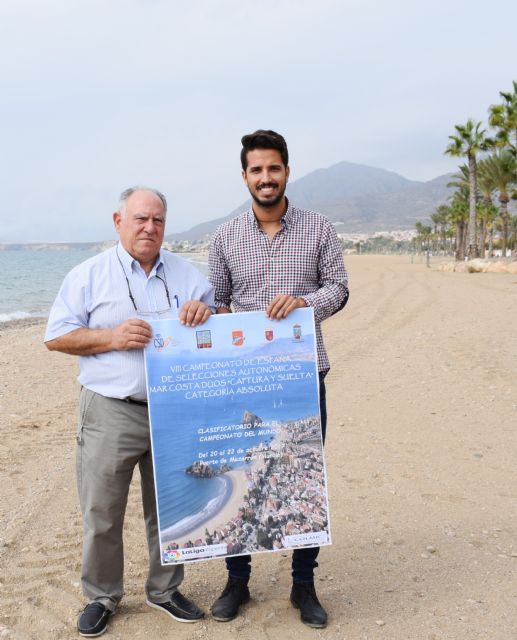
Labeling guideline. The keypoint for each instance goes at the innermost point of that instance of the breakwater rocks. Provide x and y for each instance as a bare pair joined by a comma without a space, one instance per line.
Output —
206,470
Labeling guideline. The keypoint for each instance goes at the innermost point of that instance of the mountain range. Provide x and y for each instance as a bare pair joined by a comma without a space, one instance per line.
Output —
356,198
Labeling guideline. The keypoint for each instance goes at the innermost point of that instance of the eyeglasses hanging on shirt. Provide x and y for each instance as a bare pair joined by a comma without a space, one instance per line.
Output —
150,314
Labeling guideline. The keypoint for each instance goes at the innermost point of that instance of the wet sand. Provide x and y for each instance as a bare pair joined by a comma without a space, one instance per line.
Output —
421,451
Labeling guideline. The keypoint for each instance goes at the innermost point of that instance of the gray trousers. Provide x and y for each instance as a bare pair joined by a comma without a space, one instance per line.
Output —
113,437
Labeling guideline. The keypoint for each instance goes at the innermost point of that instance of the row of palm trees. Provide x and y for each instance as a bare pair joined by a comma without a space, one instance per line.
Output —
448,232
471,212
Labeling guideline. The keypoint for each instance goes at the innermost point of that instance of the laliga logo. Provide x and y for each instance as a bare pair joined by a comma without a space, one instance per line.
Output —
172,555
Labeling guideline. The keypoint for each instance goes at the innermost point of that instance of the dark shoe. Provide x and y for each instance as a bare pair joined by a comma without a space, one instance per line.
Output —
303,597
179,608
93,621
226,607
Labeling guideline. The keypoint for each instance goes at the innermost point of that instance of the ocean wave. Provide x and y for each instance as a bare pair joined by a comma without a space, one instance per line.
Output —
190,523
14,315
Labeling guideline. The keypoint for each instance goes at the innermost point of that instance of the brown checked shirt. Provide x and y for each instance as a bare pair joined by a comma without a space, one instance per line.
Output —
304,259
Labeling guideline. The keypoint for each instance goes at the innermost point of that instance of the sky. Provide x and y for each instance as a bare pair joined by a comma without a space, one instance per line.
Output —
99,95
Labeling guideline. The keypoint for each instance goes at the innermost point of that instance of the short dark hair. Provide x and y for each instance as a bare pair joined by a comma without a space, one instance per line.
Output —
263,139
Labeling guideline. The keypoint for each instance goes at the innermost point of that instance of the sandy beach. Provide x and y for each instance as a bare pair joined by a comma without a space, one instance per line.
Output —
225,514
421,460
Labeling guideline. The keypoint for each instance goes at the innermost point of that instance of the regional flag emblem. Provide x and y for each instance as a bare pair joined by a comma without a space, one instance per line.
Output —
269,334
238,338
297,332
204,339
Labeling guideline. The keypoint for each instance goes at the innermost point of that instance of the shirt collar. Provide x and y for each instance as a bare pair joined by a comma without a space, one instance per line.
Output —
286,220
129,262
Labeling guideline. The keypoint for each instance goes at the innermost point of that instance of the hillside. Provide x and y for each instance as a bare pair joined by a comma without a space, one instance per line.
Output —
357,198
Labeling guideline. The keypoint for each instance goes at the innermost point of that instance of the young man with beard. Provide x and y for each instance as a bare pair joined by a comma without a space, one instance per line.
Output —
277,258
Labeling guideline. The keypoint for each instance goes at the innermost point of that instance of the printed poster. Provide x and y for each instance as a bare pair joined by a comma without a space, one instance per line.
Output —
236,436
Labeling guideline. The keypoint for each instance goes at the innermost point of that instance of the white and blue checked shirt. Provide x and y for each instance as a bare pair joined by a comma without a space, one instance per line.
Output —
95,295
304,260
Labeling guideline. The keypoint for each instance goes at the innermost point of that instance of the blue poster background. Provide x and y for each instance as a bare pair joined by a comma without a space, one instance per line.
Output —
236,436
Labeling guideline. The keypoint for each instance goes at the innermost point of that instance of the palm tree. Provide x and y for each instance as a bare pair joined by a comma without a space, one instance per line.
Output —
512,223
440,219
468,142
486,210
458,215
434,234
461,178
487,214
461,181
502,169
503,117
424,234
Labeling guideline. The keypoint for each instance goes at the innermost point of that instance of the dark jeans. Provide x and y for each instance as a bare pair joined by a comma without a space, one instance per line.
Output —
304,560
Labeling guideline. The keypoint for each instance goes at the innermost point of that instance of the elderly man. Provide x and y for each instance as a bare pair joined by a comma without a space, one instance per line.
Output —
99,315
276,257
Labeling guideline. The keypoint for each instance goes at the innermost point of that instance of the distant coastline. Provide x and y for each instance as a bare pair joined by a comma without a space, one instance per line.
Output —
57,246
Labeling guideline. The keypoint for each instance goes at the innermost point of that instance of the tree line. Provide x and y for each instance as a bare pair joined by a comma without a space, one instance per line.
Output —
484,185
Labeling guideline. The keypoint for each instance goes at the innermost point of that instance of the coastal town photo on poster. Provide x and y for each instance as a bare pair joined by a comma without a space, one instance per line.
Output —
236,436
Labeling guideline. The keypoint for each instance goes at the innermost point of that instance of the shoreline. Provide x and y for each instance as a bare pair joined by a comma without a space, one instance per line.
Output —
210,510
227,511
22,323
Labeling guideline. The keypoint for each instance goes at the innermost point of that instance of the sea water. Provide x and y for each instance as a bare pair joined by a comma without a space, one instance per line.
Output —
30,280
182,496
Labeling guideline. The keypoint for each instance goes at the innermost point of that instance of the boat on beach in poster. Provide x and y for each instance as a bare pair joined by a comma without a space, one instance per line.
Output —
236,436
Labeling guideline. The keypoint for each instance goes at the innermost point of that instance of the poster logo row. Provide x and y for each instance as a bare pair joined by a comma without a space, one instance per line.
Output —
204,338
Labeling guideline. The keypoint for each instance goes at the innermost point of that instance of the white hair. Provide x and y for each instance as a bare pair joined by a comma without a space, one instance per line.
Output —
127,193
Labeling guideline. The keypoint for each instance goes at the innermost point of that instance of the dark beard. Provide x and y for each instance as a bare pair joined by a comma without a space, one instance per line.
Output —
268,203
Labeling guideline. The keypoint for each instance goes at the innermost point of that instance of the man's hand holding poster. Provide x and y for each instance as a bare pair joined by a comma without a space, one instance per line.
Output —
236,436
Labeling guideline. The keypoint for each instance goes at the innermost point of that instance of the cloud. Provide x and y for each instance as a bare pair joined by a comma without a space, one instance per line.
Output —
101,95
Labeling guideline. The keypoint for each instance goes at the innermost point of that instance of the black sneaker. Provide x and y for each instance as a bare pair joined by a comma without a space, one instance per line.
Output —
303,597
93,621
226,607
179,608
